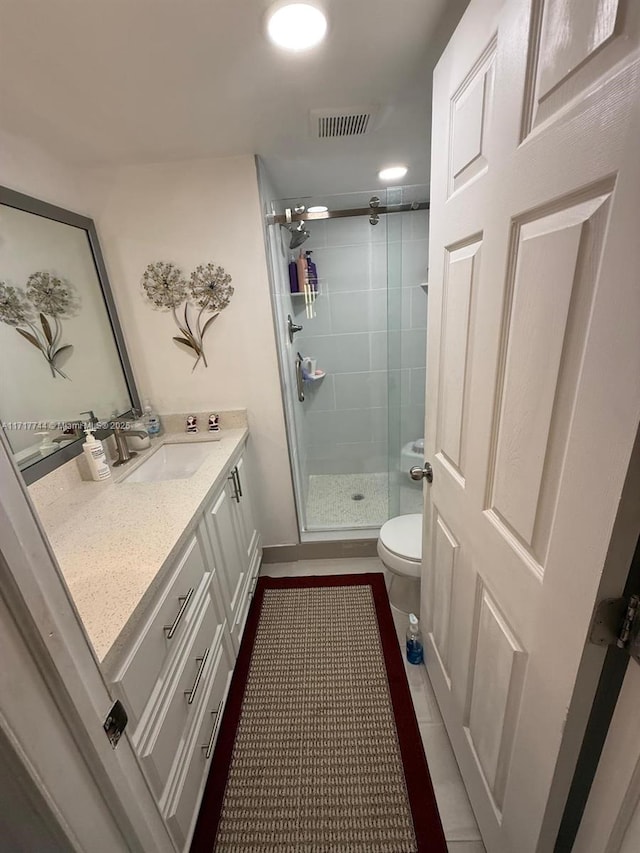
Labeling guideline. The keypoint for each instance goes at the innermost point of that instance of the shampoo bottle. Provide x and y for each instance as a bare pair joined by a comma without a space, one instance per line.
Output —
96,459
293,276
312,272
303,273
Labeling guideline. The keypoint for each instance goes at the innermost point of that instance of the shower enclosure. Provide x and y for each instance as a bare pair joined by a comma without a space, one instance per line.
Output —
352,354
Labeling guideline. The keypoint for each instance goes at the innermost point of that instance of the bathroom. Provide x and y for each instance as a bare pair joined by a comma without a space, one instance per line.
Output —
421,347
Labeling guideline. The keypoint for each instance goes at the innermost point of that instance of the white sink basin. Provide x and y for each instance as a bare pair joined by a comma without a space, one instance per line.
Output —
171,462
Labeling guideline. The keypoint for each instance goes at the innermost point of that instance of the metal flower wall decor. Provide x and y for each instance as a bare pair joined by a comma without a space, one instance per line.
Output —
195,302
46,300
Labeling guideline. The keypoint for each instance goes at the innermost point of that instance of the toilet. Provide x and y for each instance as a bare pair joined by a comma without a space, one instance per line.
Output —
400,549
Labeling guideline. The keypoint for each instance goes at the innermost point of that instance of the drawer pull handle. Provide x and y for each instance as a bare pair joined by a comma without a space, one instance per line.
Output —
232,477
185,599
209,746
236,474
192,693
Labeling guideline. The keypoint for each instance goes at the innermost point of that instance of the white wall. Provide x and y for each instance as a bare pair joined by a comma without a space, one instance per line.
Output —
190,213
27,168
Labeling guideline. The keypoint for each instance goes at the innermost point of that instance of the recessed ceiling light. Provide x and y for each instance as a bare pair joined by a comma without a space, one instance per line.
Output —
296,26
318,208
393,173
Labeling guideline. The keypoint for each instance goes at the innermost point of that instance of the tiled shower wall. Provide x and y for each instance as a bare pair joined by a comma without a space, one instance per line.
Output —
344,419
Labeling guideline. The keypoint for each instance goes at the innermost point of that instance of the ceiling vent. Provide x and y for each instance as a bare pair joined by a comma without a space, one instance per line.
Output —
337,124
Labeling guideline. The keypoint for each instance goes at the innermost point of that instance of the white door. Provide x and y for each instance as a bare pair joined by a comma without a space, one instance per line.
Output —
611,822
533,387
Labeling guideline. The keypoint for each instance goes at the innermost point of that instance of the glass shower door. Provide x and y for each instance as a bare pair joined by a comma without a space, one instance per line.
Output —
351,394
408,258
339,432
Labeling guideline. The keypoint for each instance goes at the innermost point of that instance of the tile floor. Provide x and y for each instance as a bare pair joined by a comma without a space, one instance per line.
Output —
460,828
331,504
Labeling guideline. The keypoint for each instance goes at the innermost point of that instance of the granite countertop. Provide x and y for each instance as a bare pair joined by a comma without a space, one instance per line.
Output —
112,539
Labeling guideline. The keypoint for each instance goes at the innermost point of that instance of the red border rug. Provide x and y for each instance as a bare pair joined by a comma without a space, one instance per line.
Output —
424,810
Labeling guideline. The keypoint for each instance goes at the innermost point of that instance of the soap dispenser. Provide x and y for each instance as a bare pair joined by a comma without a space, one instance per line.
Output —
96,458
151,419
46,446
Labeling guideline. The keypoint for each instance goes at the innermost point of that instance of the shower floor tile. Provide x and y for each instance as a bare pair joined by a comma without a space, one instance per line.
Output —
330,502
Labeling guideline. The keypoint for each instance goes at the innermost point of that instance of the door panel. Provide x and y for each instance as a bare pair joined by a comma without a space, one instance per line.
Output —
495,687
461,268
547,308
533,374
572,44
228,551
444,563
471,107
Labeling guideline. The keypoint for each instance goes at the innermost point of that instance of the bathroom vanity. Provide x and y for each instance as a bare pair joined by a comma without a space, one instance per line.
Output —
162,574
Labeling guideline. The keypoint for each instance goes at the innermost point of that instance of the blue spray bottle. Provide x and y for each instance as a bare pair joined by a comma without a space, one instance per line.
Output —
415,647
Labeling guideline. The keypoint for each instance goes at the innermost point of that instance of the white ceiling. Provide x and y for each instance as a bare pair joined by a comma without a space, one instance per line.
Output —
130,81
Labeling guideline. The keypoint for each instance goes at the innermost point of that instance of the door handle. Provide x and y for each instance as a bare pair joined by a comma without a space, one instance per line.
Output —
299,379
418,473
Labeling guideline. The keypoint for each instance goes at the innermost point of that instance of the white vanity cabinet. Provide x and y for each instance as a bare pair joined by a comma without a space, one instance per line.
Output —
174,674
236,545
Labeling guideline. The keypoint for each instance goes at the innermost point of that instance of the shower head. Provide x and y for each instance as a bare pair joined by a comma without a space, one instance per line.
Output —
298,235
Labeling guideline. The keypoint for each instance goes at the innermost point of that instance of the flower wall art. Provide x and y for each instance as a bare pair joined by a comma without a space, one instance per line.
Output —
194,302
36,313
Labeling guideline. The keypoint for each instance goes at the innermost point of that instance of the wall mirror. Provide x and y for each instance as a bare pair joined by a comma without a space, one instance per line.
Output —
61,345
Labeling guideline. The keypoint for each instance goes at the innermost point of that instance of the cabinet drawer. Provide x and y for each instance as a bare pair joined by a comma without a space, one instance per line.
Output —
237,628
161,636
169,721
182,797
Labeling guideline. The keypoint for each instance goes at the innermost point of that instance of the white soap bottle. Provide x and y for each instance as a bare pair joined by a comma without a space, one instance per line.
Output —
96,458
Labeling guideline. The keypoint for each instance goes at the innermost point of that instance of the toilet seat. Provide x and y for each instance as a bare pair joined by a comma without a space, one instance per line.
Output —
400,544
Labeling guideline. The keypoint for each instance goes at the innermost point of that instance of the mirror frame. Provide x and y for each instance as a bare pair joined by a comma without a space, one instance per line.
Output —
28,204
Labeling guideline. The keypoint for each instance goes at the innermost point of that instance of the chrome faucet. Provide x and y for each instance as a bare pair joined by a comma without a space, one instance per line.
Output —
120,436
93,421
59,439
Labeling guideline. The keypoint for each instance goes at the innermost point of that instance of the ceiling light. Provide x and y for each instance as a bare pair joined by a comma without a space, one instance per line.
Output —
296,26
318,208
392,173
